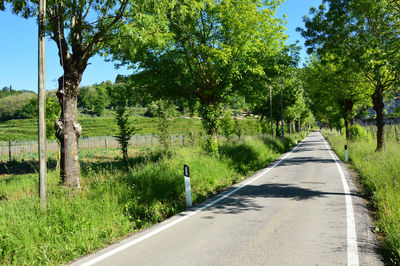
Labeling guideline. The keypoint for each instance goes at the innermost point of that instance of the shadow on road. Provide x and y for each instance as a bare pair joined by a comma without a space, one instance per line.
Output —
244,201
303,160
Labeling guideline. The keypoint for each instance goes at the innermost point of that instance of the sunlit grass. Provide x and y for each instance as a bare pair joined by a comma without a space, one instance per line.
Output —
117,198
380,175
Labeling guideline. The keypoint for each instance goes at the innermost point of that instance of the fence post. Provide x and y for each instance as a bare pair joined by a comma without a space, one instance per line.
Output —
397,134
9,150
106,144
31,148
15,149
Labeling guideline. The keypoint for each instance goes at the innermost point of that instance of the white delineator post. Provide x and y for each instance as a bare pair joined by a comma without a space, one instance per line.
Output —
188,189
346,157
295,140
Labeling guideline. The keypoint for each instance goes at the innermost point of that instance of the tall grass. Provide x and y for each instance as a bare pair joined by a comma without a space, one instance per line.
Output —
380,175
117,198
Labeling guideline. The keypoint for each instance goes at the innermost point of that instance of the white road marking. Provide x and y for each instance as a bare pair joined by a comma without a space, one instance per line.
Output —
352,252
186,216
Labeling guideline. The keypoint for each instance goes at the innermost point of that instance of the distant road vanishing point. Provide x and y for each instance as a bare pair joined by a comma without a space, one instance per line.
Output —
301,210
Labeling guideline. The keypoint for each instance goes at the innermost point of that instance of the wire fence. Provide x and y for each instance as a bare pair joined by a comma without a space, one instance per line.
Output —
392,132
13,150
26,150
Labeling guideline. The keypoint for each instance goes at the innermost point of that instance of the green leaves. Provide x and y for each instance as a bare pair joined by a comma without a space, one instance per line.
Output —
206,51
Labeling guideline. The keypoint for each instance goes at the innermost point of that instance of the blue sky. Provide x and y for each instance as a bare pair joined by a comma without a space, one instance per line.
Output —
18,50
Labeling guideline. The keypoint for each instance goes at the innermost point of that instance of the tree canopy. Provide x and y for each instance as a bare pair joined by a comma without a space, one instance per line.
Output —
209,47
81,29
365,35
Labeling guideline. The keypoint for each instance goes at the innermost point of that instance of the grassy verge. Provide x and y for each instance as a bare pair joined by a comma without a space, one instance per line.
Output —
380,176
117,198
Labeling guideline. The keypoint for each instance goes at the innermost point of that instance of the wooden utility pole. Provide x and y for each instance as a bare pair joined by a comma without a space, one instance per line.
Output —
283,131
270,110
42,104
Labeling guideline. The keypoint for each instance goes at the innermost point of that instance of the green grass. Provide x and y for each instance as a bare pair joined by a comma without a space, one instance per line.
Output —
380,175
117,198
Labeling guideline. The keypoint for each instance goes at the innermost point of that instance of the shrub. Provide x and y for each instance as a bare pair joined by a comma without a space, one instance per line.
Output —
248,154
227,125
356,132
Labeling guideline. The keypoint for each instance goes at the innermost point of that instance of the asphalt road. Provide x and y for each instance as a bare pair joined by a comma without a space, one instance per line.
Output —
297,211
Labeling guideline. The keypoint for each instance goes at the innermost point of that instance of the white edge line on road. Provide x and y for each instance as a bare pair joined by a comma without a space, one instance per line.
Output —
352,250
190,214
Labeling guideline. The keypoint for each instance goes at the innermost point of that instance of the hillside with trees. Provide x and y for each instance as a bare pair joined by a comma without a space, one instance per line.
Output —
12,103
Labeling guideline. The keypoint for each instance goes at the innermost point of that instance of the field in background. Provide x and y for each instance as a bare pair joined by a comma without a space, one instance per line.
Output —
380,176
26,129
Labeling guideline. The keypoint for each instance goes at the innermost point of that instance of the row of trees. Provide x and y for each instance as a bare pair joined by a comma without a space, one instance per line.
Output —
355,46
201,53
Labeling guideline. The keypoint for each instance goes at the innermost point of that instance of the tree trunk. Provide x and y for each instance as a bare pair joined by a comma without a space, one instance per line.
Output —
277,132
299,125
214,134
346,125
68,131
348,116
210,114
378,105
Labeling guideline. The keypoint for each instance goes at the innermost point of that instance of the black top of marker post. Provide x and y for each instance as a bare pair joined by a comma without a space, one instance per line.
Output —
186,170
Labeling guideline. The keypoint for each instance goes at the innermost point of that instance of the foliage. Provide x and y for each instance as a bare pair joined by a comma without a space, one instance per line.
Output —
237,102
336,90
248,154
125,131
362,34
227,125
12,106
238,128
207,47
295,101
357,132
7,91
94,99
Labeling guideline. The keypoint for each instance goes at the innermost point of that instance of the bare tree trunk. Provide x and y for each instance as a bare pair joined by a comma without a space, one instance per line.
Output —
378,105
68,131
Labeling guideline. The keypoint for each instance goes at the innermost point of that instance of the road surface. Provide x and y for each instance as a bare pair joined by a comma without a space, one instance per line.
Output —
301,210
